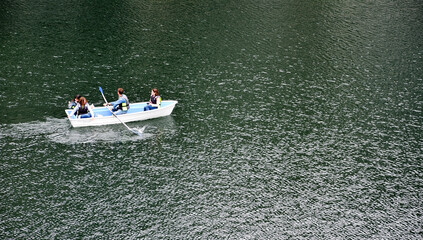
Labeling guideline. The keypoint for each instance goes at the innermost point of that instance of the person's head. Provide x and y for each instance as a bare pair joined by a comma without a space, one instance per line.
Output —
120,91
82,101
77,97
155,92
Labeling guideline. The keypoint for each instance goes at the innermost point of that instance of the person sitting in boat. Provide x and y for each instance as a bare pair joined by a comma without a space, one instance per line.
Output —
120,106
155,100
74,102
83,109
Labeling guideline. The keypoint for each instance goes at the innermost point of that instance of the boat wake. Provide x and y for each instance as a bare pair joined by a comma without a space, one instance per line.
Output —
59,131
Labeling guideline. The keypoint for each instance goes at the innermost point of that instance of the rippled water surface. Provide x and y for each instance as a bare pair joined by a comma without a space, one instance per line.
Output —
295,120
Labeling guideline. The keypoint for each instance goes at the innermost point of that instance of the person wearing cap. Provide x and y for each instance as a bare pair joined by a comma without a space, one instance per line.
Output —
121,105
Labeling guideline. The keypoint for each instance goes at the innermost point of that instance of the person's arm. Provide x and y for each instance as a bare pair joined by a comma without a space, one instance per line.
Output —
109,104
74,110
90,110
119,101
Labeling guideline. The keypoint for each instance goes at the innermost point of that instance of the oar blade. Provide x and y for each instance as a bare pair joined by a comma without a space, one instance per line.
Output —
137,131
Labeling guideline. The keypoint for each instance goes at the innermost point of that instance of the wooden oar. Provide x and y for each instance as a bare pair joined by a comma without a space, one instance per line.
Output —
138,132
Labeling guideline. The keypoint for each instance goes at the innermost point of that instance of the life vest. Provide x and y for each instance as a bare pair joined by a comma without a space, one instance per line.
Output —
82,109
124,106
153,99
156,100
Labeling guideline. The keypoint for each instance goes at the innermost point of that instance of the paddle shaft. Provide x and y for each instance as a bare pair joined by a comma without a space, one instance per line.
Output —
101,90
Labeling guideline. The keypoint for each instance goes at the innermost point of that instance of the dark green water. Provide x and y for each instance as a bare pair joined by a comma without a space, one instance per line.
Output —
295,120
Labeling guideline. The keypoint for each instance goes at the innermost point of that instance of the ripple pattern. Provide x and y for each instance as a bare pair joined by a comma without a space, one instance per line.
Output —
295,120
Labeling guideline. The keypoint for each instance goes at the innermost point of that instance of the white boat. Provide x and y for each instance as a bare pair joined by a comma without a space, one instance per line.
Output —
102,116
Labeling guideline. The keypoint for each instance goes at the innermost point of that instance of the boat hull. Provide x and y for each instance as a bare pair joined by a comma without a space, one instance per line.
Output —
135,113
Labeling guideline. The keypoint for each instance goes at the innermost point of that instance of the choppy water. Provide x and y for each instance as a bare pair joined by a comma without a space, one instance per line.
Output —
295,120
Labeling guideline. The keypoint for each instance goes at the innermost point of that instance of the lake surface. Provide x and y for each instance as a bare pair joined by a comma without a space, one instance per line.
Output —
296,120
